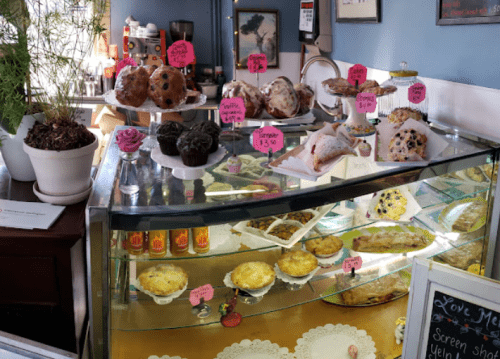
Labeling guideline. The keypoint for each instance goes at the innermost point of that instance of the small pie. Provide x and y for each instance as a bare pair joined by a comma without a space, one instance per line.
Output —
284,231
297,263
391,204
325,246
254,189
470,216
253,275
384,241
164,279
220,187
377,291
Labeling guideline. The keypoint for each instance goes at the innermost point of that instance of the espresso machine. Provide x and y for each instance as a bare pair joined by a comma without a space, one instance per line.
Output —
146,48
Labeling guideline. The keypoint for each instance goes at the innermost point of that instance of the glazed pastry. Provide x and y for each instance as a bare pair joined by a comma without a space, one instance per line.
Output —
167,87
463,256
474,212
336,82
381,242
167,135
253,275
407,145
164,279
251,95
194,146
325,246
368,84
306,98
212,129
284,231
131,88
297,263
327,148
401,114
391,205
280,98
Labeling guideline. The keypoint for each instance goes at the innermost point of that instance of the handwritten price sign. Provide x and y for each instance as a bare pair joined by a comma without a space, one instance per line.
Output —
357,73
257,63
352,262
232,110
366,102
206,292
416,93
180,53
266,138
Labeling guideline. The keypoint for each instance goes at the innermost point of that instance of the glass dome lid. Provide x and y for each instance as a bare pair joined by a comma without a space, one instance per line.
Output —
403,72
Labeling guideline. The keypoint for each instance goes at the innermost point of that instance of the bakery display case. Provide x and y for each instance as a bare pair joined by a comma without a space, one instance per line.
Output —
190,233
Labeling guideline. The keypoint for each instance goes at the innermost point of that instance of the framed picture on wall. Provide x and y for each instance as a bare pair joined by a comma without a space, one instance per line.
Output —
362,11
463,12
257,32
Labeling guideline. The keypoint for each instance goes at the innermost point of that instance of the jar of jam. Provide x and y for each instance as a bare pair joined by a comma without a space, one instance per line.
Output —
179,240
201,239
157,244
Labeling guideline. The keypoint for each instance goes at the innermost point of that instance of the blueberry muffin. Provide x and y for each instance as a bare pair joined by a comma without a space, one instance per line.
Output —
131,88
167,87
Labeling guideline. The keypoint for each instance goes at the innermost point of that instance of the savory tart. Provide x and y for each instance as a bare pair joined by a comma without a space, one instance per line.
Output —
164,279
297,263
253,275
385,241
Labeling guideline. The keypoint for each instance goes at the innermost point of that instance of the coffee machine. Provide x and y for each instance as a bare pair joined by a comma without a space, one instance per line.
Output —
147,50
184,30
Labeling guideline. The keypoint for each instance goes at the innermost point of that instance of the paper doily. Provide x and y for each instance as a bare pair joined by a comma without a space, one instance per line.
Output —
160,299
253,292
321,342
256,349
293,280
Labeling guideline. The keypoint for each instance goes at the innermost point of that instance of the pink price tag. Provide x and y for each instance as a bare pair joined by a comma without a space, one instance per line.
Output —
366,102
232,110
206,292
266,138
352,262
357,72
125,62
180,53
257,63
416,93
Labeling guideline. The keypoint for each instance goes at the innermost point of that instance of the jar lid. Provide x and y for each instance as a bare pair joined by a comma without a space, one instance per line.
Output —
404,72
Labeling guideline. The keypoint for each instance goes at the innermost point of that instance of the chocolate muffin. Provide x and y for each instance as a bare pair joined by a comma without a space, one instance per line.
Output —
167,87
193,147
131,88
167,135
212,129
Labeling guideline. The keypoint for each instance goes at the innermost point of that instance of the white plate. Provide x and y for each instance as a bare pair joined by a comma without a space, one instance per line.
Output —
62,200
332,341
180,170
150,106
255,349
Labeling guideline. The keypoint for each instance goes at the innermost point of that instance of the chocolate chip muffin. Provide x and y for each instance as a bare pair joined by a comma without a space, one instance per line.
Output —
167,87
193,147
167,135
212,129
131,88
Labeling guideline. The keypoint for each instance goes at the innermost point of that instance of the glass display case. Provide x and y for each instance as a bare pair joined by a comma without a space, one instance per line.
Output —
342,203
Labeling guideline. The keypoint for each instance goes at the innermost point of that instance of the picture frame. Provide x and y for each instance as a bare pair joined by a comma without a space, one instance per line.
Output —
256,32
467,12
357,11
447,300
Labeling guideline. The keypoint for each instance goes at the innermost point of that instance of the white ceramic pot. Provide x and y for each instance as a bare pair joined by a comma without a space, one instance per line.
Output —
62,173
209,90
16,160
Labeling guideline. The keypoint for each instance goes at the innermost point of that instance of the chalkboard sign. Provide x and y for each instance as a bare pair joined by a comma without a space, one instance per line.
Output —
459,329
457,12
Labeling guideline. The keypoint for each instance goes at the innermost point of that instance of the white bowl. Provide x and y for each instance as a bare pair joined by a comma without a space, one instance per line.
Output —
209,90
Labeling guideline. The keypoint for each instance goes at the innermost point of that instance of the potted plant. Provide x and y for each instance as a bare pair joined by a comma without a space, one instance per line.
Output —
57,36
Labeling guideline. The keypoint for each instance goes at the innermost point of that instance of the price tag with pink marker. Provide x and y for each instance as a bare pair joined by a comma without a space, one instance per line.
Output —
180,53
357,73
257,63
416,93
206,292
266,138
232,110
352,263
366,102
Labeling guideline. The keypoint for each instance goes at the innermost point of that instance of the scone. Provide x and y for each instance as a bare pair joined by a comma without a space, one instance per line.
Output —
167,87
324,247
131,88
281,98
472,214
253,275
401,114
297,263
164,279
391,205
407,145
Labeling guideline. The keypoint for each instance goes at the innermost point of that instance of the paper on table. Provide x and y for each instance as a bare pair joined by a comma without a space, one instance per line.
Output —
28,215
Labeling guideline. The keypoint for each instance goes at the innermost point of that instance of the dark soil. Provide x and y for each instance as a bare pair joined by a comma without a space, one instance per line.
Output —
67,135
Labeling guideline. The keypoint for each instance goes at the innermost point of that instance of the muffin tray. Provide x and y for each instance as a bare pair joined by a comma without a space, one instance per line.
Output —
285,238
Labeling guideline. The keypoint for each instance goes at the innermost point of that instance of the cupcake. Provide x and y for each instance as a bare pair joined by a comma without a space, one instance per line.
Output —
234,164
365,149
212,129
167,135
194,147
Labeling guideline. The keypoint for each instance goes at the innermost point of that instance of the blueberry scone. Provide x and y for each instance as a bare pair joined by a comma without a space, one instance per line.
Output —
391,204
407,145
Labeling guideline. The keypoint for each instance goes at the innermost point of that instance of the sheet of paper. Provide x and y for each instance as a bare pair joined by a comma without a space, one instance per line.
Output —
28,215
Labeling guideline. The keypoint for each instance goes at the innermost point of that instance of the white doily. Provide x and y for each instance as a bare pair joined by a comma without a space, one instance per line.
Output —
164,357
323,342
255,349
150,106
294,280
253,292
160,299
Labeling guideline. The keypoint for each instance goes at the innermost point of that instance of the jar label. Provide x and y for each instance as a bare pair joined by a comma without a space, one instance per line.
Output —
181,238
206,292
136,240
266,138
366,102
180,53
158,243
357,73
232,110
201,237
416,93
352,262
257,63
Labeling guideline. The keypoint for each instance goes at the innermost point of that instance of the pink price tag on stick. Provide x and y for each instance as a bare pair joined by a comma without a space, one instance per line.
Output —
257,63
416,93
206,292
266,138
232,110
352,262
357,73
366,102
180,53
